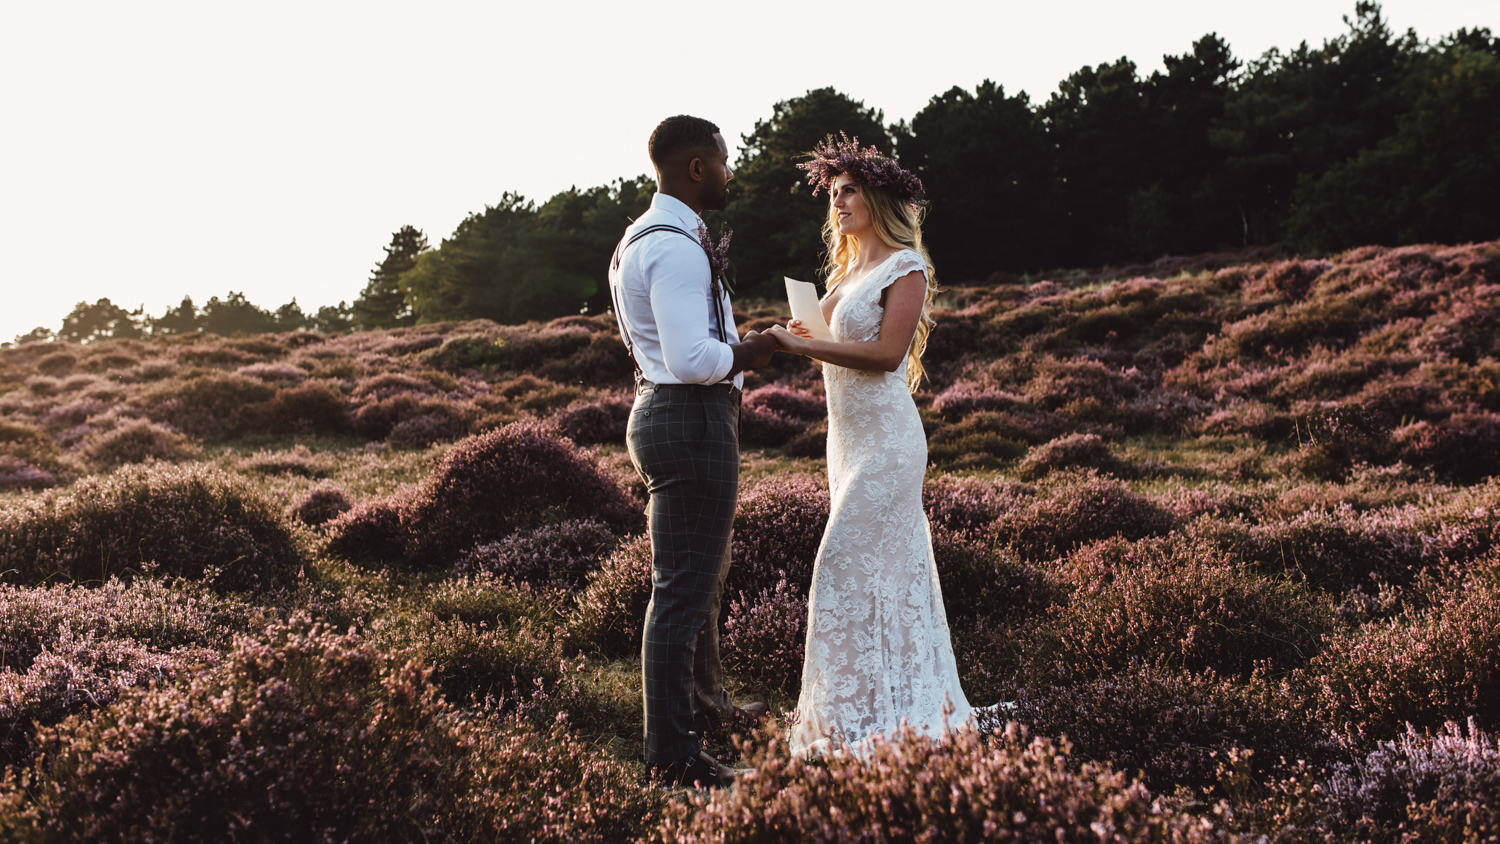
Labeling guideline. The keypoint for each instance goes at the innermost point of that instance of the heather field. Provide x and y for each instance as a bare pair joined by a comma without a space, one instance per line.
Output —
1222,530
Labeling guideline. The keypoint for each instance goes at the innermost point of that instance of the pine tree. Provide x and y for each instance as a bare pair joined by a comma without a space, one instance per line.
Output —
382,304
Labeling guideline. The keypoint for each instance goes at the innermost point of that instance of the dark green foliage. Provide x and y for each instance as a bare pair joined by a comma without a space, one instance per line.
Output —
98,321
775,217
382,304
518,261
985,160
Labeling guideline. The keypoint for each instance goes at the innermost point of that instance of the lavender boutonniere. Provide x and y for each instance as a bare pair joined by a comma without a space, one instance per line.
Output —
718,258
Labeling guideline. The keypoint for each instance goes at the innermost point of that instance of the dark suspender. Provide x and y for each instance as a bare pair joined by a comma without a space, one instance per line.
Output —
614,264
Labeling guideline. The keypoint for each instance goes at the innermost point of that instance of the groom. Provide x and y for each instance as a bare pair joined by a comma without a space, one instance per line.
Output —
684,440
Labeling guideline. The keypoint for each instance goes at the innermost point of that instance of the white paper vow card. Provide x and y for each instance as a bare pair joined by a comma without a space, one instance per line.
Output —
803,297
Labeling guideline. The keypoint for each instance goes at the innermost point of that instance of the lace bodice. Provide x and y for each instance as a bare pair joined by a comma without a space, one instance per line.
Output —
878,646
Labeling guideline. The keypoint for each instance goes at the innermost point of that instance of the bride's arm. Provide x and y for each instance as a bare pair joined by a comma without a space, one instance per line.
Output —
903,310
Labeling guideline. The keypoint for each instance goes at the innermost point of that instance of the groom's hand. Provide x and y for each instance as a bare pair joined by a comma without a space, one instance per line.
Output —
754,350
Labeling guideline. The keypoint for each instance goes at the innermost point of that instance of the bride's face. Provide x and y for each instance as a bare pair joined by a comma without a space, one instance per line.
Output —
849,204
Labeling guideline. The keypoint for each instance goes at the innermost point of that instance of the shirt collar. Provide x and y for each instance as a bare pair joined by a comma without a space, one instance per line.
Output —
678,208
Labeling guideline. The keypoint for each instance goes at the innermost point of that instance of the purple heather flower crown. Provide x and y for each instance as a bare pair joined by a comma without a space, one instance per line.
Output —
834,158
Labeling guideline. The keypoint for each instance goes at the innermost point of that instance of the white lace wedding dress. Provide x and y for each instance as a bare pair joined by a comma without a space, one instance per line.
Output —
878,647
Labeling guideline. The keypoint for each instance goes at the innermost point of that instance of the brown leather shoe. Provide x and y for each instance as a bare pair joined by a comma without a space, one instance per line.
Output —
701,771
755,711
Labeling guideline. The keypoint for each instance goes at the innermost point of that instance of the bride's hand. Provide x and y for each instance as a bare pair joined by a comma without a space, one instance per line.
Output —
796,327
785,338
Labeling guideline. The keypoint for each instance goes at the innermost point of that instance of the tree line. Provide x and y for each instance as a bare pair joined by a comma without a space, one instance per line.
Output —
1374,137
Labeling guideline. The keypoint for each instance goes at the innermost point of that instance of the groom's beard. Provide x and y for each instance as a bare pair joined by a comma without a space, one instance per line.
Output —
717,203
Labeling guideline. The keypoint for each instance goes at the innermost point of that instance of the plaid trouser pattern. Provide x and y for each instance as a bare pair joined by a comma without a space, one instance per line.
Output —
685,444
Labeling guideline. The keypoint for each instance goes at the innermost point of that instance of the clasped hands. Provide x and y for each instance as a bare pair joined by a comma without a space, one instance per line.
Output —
756,347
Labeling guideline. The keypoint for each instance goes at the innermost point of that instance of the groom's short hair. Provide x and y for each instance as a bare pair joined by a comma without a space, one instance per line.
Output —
679,134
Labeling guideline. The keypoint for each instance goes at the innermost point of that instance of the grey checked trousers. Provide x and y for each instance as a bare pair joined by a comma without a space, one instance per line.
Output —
684,441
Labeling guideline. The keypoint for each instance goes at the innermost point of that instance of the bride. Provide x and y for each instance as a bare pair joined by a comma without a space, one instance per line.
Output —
878,647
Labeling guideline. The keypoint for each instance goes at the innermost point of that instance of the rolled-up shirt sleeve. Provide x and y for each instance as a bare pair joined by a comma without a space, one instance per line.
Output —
690,347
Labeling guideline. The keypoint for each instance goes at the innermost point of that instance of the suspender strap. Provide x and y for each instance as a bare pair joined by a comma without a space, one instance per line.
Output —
713,311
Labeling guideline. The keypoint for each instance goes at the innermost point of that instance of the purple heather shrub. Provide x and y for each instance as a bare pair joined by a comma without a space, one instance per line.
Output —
487,601
516,669
262,748
970,503
790,404
278,372
594,422
961,787
1216,499
778,527
763,427
151,369
371,534
136,441
1181,603
297,460
66,649
213,406
1341,548
1464,447
611,610
79,672
109,361
1077,508
380,387
1073,450
55,364
983,582
982,440
194,522
1174,727
439,421
321,505
44,385
150,612
1288,279
812,442
315,407
396,345
27,444
764,636
1425,667
557,556
375,420
1433,787
522,385
965,398
1061,382
493,484
76,412
16,473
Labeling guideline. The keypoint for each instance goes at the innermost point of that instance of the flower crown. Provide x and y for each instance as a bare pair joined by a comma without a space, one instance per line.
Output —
834,158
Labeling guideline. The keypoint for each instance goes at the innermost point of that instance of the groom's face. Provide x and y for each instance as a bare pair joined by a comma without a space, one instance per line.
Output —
716,176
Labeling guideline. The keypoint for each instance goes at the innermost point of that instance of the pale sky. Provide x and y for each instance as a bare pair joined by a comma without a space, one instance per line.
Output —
152,149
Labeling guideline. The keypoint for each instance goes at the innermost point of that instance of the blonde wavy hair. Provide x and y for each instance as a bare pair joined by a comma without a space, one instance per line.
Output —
899,226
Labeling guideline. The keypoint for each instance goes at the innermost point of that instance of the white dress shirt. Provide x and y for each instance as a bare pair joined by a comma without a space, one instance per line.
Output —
662,291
